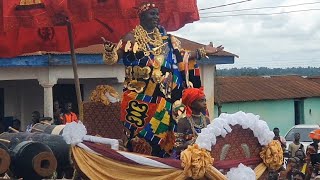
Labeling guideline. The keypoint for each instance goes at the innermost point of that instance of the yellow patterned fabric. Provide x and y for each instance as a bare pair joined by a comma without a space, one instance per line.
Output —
100,94
272,155
97,167
197,163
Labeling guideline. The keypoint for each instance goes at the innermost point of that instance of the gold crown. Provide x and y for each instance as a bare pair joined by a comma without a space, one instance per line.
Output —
30,2
145,7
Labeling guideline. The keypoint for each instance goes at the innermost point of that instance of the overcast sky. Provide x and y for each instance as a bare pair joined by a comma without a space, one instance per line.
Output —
286,40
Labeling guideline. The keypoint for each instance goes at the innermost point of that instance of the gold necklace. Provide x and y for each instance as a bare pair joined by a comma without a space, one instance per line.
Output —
143,40
202,124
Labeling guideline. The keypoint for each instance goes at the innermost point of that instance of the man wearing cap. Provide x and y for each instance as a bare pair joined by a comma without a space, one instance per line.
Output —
154,79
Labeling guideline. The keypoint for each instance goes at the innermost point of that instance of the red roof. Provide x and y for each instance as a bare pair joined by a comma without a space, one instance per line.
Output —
245,88
315,79
98,49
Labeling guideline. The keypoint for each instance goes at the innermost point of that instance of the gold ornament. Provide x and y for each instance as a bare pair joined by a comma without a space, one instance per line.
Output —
272,155
157,75
100,94
134,49
202,53
110,56
196,162
127,46
158,60
176,44
137,86
143,39
139,72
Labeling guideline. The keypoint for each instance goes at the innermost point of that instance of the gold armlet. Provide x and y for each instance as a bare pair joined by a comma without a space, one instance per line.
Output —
110,55
201,53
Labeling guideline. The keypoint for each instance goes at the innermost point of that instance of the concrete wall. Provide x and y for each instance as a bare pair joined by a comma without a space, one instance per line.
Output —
22,97
276,113
312,111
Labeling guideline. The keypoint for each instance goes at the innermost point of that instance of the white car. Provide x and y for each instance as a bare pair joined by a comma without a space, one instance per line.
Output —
304,131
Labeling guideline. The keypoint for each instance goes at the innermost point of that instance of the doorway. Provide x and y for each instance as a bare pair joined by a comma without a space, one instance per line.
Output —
67,93
298,111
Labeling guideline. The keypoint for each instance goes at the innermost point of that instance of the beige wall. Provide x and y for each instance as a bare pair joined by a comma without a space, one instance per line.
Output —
23,93
22,97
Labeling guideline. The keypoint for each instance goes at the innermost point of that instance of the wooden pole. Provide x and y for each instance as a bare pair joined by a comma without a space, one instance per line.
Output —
13,129
75,69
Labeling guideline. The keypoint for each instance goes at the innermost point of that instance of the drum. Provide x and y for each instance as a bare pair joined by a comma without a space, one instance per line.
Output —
5,159
56,143
32,160
48,128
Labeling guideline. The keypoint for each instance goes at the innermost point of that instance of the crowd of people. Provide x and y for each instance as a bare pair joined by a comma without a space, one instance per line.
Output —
301,163
60,116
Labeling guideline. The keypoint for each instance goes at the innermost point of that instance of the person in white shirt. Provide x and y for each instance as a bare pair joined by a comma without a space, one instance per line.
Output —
35,119
281,139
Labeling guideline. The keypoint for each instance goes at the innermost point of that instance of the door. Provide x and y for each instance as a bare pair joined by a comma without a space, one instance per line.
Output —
299,111
67,93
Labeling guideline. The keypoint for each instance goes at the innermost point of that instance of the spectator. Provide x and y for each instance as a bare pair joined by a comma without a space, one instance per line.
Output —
313,148
281,139
57,113
295,145
68,116
300,160
35,119
298,176
16,125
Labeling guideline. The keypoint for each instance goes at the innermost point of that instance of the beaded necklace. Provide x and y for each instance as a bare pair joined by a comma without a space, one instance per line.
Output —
203,124
143,40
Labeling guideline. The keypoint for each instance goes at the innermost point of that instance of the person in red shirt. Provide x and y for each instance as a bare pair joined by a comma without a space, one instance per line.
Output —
68,116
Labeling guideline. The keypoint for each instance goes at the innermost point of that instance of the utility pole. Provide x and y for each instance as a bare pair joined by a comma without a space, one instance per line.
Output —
217,91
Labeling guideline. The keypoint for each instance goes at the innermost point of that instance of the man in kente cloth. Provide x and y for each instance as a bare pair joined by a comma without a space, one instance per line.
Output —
188,127
154,79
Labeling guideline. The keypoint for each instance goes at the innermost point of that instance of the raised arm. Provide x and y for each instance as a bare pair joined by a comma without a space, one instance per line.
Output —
114,51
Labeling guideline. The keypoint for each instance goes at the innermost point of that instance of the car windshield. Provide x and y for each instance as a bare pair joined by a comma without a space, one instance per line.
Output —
304,134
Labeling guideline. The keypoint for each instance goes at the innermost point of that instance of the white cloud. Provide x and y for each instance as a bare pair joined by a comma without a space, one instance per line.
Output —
274,41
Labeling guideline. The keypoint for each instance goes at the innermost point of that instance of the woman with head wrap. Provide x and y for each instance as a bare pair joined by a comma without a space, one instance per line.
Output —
188,127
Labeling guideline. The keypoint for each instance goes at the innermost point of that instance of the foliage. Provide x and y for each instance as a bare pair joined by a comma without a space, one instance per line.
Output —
264,71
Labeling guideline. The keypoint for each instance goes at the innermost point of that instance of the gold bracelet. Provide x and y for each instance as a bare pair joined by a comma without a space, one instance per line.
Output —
110,58
110,55
202,52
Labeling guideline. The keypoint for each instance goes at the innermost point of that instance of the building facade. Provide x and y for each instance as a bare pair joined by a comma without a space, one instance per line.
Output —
282,101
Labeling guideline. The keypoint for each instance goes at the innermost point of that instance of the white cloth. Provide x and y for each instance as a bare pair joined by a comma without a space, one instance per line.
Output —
29,127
